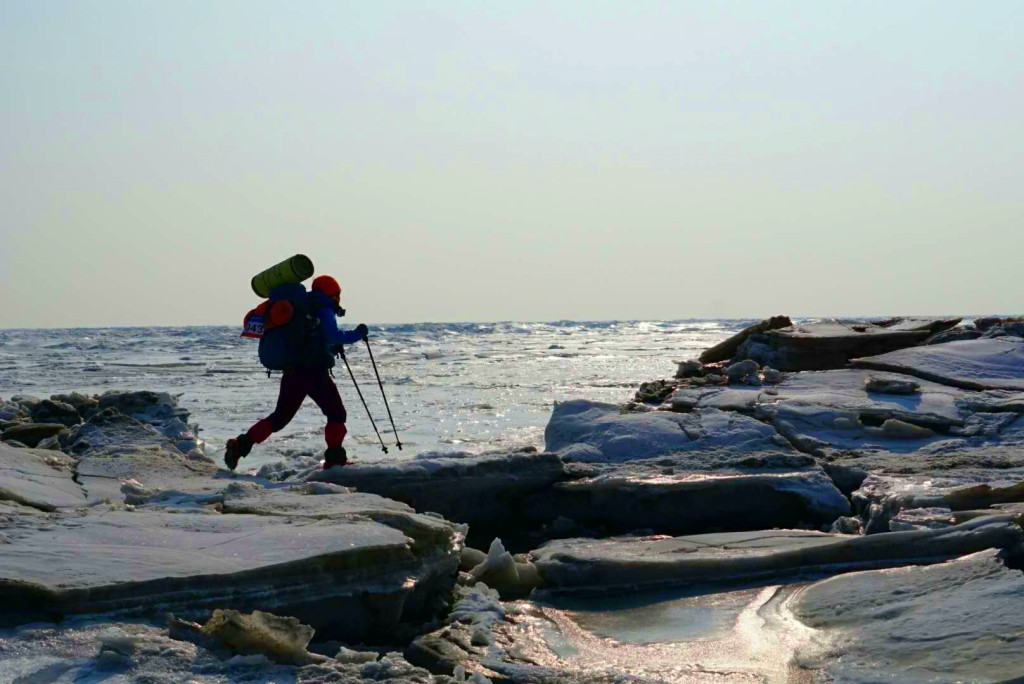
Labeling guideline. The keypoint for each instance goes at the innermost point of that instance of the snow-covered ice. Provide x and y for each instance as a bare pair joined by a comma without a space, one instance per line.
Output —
996,363
38,478
952,622
616,435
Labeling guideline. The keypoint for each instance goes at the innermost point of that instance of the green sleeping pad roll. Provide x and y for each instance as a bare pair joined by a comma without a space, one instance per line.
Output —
292,270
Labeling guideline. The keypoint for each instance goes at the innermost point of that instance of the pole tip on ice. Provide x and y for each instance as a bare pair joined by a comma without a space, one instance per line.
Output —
383,394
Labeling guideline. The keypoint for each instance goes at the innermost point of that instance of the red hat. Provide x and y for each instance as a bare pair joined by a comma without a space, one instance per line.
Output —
328,285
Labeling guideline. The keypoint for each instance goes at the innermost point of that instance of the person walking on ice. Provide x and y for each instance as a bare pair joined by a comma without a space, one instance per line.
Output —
299,335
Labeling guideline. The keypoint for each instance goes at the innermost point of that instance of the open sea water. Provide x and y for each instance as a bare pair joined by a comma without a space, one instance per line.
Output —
452,386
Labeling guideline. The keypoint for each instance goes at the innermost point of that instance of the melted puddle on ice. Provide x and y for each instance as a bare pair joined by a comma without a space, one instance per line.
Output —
741,635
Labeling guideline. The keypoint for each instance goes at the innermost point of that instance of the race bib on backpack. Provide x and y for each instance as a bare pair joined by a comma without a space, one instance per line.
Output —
253,328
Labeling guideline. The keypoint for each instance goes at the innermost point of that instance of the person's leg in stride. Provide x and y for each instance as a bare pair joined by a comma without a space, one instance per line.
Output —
325,394
294,387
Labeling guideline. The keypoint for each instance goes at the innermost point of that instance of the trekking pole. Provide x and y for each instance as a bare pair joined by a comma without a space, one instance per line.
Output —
398,441
341,353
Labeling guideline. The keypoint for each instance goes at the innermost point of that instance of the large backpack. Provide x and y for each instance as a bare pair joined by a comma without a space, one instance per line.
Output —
289,331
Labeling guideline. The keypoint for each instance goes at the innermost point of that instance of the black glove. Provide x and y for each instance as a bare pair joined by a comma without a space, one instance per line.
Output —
363,331
338,350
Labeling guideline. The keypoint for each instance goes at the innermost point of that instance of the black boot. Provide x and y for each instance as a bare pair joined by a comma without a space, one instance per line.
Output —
237,448
335,456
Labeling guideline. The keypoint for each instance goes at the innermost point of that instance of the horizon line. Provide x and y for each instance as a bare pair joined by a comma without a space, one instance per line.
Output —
544,322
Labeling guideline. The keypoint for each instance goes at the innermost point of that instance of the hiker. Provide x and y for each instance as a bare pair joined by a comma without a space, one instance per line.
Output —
300,336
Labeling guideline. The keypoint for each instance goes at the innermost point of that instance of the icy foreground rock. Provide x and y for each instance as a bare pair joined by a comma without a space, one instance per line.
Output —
698,491
840,409
726,349
345,574
831,412
487,492
652,562
283,640
426,536
952,622
996,363
129,526
939,445
37,478
681,473
701,486
109,432
616,472
153,417
125,523
479,638
584,430
132,652
831,344
102,474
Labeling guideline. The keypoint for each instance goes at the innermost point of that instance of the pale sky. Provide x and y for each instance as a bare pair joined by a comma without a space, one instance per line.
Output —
511,160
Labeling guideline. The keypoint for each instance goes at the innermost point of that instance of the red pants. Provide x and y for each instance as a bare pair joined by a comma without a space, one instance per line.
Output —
296,385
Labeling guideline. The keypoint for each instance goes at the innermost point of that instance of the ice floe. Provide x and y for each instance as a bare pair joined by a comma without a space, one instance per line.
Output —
81,650
40,479
485,491
952,622
996,363
321,571
830,344
616,435
698,491
636,563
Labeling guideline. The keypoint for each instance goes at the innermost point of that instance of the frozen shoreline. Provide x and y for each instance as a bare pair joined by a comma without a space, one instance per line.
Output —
454,387
731,472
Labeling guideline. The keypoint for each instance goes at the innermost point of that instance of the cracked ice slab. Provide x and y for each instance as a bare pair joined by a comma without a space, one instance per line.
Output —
994,456
675,473
653,562
132,651
584,430
111,448
952,622
922,445
697,491
957,472
103,473
428,534
27,478
996,363
846,390
832,343
827,411
480,490
350,577
743,398
111,432
842,391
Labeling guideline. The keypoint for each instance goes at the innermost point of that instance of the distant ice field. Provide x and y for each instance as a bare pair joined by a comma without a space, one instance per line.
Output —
452,386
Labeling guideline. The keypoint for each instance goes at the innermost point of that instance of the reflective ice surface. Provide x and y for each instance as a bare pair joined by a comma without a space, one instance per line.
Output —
451,386
744,634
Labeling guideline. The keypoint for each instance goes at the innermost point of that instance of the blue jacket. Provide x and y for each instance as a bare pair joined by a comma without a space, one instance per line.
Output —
324,308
